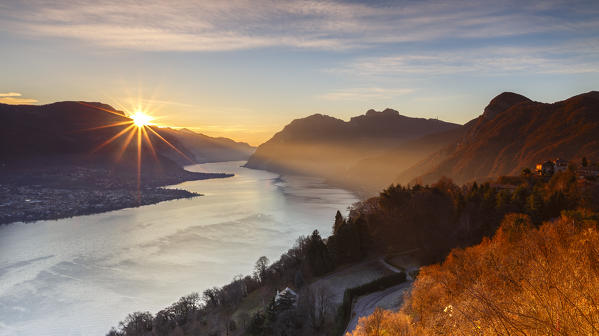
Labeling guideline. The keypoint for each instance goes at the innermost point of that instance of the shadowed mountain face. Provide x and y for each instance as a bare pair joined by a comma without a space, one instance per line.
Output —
515,132
76,131
55,129
325,146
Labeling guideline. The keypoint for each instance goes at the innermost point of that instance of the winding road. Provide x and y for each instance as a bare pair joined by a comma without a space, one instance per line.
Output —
390,298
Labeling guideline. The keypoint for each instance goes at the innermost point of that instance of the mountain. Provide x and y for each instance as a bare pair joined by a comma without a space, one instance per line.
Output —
208,149
512,133
74,132
325,146
78,129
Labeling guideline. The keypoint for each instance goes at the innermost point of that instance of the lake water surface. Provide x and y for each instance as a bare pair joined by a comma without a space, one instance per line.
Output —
82,275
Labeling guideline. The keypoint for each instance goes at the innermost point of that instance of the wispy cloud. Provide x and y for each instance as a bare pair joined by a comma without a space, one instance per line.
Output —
365,94
242,24
14,98
10,94
572,57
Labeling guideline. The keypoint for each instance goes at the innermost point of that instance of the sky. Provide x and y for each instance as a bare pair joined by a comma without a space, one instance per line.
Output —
245,69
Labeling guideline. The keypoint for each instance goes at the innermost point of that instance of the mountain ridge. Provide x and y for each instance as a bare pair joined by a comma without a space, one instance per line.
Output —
326,146
518,134
77,127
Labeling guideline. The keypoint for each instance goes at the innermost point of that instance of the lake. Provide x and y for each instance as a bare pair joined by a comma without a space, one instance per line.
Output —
80,276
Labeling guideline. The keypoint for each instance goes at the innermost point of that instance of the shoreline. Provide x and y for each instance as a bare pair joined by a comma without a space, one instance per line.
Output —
360,193
36,202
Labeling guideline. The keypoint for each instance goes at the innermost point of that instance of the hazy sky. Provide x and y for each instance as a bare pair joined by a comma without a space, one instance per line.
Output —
244,69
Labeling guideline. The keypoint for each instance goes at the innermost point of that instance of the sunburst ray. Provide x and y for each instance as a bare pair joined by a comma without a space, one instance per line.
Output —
137,125
116,136
149,143
121,123
170,145
125,144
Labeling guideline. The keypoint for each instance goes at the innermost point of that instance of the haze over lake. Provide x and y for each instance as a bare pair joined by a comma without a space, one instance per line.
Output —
82,275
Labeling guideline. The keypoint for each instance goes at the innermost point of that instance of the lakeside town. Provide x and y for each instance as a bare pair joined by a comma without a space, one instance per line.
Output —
33,203
61,192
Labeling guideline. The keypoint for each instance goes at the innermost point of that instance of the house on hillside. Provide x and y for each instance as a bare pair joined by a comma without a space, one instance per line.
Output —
548,168
545,168
285,299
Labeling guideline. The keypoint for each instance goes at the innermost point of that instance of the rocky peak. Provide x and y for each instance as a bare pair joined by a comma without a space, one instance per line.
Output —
503,102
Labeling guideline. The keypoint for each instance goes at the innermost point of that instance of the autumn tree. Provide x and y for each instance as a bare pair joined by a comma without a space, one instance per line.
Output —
524,281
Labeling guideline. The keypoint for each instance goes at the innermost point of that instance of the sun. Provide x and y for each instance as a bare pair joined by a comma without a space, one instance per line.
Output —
141,119
137,125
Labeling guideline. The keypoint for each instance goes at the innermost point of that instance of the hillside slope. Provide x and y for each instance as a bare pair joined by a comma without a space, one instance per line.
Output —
512,133
510,284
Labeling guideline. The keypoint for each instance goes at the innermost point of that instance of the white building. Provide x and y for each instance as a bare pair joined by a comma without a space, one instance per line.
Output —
286,298
560,165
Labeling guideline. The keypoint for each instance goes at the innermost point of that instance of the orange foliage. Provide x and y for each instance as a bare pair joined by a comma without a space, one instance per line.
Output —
523,281
384,323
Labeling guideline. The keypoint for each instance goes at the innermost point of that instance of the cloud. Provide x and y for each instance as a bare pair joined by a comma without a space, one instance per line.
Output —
365,94
245,24
13,98
10,94
572,57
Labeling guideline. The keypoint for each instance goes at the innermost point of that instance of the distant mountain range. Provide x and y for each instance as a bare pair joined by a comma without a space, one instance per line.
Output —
329,147
365,154
379,148
76,129
209,149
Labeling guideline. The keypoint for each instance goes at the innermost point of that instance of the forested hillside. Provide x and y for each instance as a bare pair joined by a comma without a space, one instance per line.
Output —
400,218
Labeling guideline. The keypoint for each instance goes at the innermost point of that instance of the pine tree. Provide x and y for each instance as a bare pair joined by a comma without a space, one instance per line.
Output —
271,311
339,221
